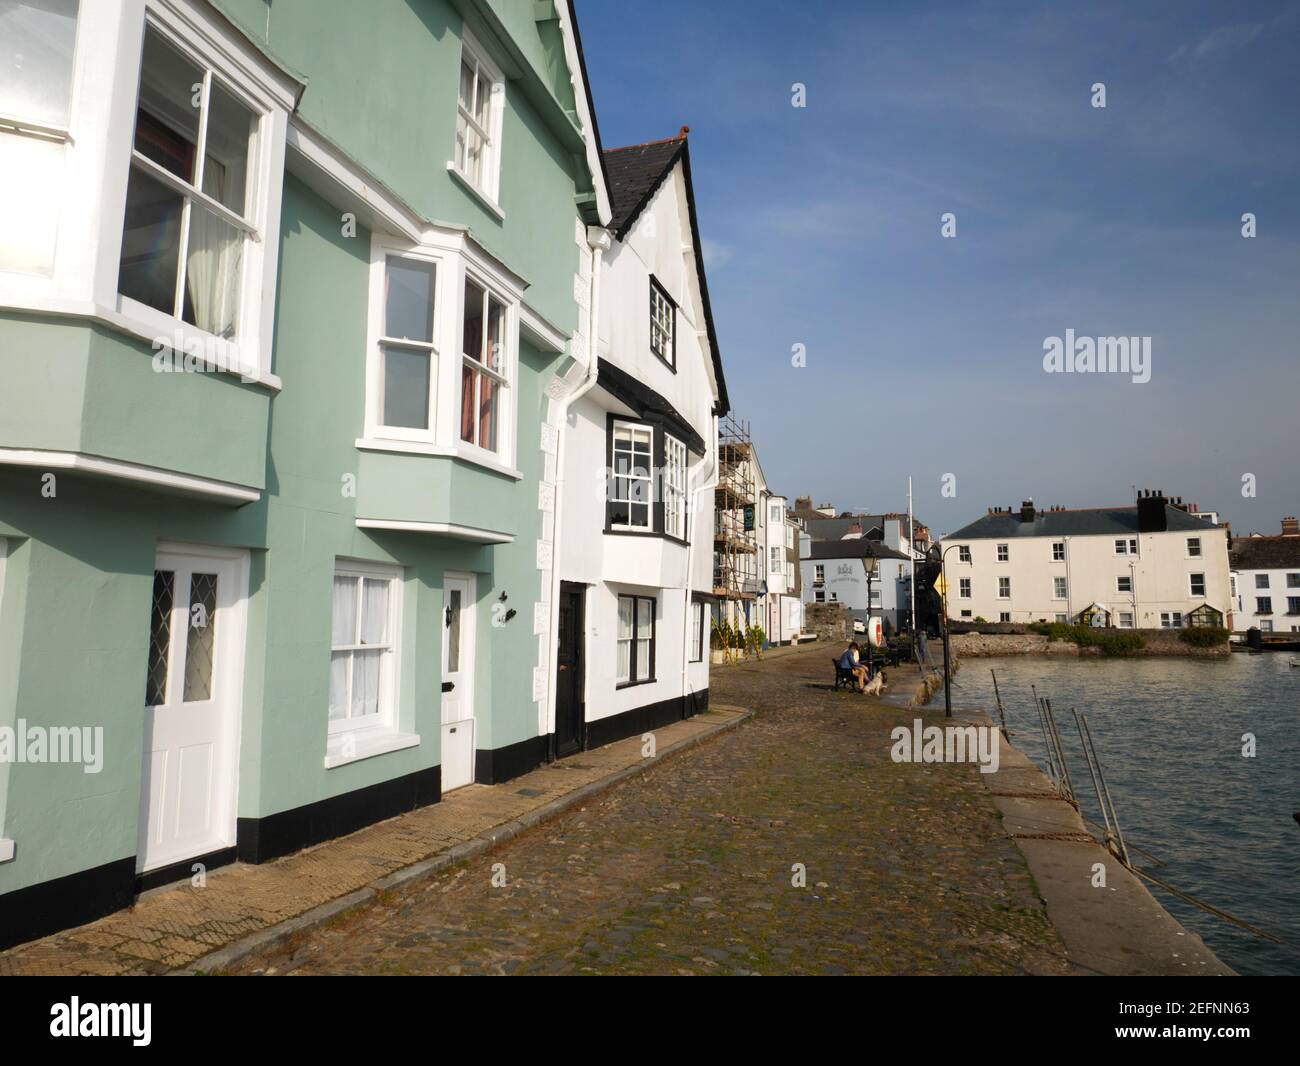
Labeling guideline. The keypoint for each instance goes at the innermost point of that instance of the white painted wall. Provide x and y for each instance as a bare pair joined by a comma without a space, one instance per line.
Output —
1282,585
610,564
1160,574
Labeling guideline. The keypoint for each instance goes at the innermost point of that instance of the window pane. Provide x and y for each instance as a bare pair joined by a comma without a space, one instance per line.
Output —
472,331
167,120
31,187
213,273
36,42
343,627
365,682
151,241
160,632
483,90
406,388
496,341
228,150
200,641
466,86
408,299
487,413
453,631
645,616
374,612
624,617
339,663
467,403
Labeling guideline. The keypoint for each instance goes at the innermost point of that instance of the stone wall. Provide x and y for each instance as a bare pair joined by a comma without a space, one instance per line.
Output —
830,621
1158,642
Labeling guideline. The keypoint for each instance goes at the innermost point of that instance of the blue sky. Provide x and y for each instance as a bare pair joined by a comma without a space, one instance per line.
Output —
821,227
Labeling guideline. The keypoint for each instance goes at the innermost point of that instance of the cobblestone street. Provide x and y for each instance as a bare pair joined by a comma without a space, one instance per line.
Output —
688,869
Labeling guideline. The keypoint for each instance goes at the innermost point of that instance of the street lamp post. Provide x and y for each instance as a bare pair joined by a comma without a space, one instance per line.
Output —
947,654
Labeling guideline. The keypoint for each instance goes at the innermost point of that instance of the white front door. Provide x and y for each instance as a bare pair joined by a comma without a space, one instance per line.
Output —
457,682
192,701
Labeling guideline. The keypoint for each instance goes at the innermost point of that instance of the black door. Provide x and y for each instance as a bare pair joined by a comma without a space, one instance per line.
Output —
568,681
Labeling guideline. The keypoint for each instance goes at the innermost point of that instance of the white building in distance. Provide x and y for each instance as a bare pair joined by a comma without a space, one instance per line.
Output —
1149,566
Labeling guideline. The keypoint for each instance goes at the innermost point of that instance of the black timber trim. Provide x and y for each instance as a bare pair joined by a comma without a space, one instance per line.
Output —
495,765
63,902
184,870
648,717
262,839
648,404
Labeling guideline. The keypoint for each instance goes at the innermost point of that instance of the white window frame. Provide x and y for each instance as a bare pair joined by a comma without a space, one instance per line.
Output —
674,486
774,513
648,478
1004,553
963,588
819,575
697,631
380,251
775,562
1191,584
1125,620
385,722
1120,579
1004,583
1060,589
1194,548
1058,551
473,54
1126,546
819,595
1262,581
963,553
1004,616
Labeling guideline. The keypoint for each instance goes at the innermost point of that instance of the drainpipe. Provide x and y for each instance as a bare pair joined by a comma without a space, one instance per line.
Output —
708,486
599,241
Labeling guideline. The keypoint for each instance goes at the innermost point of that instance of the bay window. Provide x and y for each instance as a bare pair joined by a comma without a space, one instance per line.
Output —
37,44
631,483
191,193
485,363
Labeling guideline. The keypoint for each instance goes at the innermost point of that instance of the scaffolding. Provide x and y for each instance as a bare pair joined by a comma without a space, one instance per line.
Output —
735,548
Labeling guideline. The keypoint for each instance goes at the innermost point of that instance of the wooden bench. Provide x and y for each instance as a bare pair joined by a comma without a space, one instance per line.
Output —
843,678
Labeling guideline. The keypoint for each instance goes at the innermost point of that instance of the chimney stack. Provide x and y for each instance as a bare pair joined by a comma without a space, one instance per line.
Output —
1027,511
1290,526
1152,517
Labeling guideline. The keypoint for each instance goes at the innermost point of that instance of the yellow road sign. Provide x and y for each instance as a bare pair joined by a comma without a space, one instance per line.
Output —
940,585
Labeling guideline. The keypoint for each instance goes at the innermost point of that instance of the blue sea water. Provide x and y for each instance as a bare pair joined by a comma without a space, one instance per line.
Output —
1169,733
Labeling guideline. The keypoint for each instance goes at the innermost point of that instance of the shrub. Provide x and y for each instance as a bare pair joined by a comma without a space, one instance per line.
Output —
1203,636
1109,641
756,636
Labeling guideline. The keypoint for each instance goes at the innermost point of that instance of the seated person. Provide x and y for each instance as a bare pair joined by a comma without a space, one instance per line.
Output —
849,661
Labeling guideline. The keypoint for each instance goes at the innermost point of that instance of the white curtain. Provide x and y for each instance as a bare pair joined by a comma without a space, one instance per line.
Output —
365,682
624,639
344,629
339,661
374,613
214,265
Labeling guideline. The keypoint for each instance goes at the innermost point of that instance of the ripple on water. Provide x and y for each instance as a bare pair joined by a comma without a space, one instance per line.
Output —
1169,733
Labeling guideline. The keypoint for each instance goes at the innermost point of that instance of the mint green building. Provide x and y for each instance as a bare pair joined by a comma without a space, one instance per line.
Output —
291,294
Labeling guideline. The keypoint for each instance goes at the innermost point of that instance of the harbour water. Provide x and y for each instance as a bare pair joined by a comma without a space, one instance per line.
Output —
1170,736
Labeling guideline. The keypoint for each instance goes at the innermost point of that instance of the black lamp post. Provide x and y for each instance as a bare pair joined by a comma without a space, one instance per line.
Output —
947,654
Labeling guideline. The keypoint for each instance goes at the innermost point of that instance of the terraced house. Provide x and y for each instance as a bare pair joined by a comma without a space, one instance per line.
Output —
292,295
639,468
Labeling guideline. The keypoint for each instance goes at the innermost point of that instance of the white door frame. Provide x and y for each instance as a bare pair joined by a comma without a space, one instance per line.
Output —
231,679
